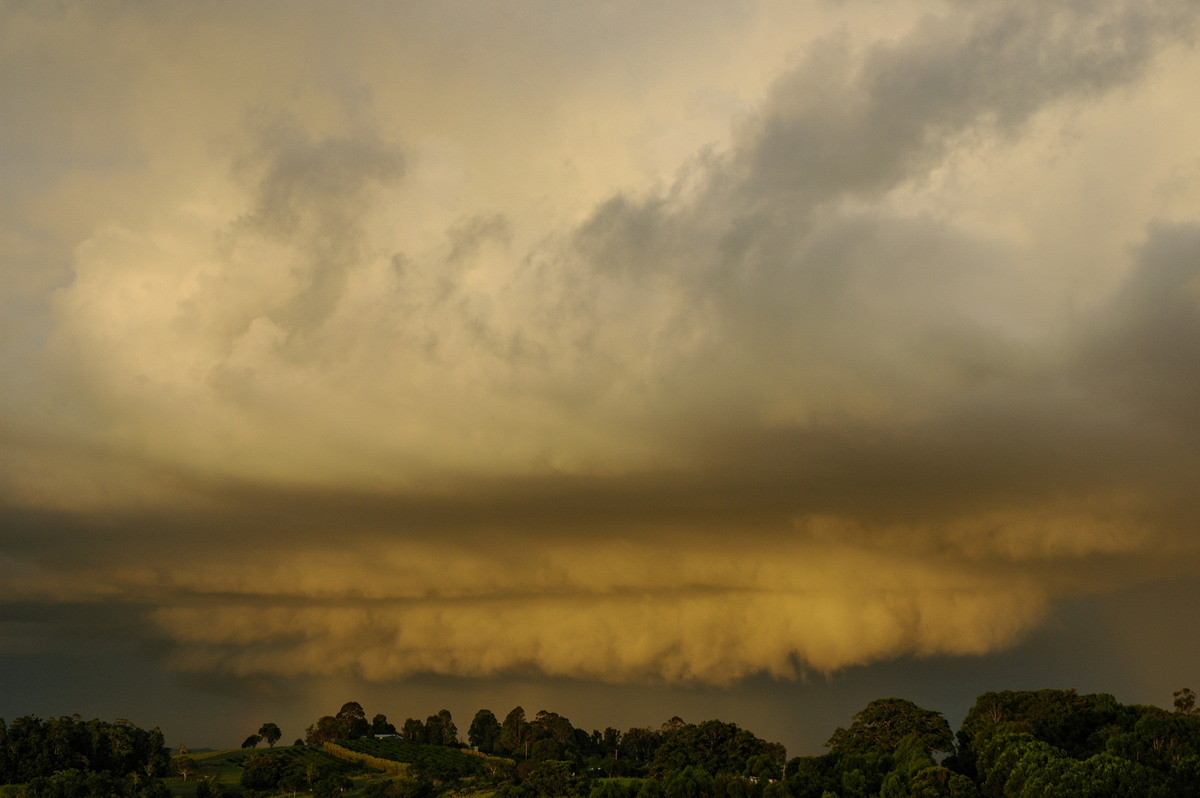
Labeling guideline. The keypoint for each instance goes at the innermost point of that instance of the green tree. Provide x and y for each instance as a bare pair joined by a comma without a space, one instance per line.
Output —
184,765
352,721
607,788
433,730
776,789
294,781
325,730
264,771
252,741
513,733
449,730
399,788
941,782
716,747
440,729
651,788
551,778
484,731
854,784
1079,725
414,731
639,746
885,723
690,782
909,759
331,786
271,733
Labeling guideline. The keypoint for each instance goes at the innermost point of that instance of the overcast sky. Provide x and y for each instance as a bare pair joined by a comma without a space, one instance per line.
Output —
626,360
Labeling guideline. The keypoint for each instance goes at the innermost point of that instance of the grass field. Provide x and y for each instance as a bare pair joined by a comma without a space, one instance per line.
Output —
225,768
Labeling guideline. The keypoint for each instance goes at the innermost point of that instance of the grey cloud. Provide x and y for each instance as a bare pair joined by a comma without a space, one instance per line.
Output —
312,195
788,291
1143,346
469,235
762,420
844,125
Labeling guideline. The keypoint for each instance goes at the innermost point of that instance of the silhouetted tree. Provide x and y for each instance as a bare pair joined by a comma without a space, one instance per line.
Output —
271,733
484,731
1185,702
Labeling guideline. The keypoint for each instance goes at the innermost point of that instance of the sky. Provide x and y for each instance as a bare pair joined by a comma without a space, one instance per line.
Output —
626,360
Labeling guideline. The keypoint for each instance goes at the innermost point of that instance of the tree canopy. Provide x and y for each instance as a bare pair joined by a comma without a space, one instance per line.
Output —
886,723
1011,744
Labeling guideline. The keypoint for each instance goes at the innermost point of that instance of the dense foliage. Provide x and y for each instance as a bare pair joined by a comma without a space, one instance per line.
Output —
68,756
431,762
1011,744
281,772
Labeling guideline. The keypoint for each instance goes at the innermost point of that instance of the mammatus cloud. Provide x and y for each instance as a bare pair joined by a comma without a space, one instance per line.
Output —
321,410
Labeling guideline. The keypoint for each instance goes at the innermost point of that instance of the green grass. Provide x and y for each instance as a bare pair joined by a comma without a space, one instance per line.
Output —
437,761
225,767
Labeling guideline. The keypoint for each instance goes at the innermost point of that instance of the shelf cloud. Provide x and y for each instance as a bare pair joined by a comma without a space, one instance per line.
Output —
330,354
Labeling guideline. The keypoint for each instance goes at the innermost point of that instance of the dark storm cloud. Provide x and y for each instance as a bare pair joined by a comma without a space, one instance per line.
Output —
324,413
1142,350
849,123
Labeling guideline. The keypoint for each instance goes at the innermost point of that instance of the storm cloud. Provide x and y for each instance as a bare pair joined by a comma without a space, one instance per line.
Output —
316,370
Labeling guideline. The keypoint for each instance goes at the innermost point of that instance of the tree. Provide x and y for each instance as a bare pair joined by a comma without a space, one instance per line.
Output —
909,759
440,729
264,771
413,731
294,781
513,732
1063,718
551,725
638,745
651,788
252,741
484,731
449,730
1185,702
854,784
271,733
184,764
331,786
380,725
325,730
552,778
715,747
399,788
940,782
352,709
352,721
885,723
433,730
607,788
688,782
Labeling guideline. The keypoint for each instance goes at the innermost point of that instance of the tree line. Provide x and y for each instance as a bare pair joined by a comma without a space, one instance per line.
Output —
1011,744
69,756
